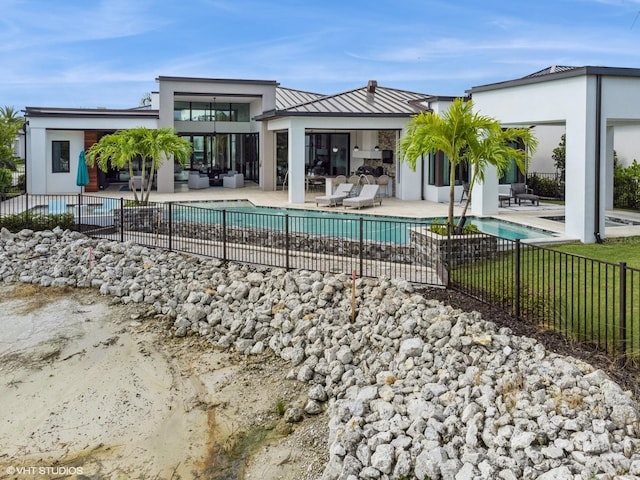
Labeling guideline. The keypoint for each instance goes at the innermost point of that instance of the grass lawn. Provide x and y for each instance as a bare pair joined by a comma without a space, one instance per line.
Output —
566,289
614,250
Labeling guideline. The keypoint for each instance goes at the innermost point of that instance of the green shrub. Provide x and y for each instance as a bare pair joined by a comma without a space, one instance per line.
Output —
545,187
15,223
626,186
5,181
439,227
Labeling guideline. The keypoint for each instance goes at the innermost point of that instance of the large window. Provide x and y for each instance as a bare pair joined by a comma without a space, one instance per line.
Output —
60,161
439,167
207,111
326,153
222,152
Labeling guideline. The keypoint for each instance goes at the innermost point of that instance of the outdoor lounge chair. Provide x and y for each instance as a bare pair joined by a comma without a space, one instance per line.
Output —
520,191
57,206
367,198
337,197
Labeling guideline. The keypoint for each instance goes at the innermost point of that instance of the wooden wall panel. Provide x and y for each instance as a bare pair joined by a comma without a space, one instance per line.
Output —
91,137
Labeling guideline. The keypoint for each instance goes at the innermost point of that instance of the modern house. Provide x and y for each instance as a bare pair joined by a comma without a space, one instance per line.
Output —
274,135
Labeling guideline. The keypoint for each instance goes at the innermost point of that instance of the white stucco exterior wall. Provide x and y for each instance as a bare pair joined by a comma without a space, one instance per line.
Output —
570,100
42,131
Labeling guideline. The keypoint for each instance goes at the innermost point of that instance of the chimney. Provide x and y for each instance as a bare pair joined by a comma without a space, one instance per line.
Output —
371,86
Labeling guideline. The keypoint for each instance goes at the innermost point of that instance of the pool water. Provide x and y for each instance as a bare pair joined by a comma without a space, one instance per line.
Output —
608,221
348,225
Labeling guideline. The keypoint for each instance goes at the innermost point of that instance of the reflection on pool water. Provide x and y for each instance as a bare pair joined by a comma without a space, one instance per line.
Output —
374,227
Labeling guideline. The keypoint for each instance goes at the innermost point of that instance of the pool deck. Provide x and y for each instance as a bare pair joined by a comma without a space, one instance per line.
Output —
528,215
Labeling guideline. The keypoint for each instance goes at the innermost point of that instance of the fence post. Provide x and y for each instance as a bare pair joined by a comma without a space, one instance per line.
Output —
623,309
121,219
286,240
224,235
80,212
170,225
517,280
361,246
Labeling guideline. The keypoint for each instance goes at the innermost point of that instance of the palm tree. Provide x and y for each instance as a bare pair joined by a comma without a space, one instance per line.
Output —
464,137
451,134
495,147
152,146
11,116
10,124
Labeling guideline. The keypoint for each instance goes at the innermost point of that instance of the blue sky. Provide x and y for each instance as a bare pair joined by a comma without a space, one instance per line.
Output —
90,53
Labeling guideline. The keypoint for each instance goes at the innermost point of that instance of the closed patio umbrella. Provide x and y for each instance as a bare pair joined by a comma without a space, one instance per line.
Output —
82,179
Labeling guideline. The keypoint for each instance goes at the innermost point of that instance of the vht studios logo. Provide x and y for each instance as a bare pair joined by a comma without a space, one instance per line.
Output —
45,470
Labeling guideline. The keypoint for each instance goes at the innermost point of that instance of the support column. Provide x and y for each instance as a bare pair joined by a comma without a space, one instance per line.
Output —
165,174
484,196
580,177
296,159
607,176
267,158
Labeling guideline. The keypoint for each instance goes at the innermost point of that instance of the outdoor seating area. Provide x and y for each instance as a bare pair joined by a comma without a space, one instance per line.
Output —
342,192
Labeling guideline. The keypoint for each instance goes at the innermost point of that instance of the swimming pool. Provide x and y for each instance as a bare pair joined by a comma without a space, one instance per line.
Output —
349,225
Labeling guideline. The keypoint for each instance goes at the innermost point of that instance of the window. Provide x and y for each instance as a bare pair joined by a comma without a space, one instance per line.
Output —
207,111
60,156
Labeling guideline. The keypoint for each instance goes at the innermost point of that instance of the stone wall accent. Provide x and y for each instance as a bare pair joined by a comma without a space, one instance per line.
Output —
433,250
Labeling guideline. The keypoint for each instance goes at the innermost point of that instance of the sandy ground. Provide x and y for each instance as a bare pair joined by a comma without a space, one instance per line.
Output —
91,389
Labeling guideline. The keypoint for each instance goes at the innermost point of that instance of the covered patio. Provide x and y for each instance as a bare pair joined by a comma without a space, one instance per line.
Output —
590,102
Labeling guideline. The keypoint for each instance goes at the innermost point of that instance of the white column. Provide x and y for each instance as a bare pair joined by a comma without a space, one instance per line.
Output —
165,179
267,158
580,177
607,177
38,164
484,196
296,179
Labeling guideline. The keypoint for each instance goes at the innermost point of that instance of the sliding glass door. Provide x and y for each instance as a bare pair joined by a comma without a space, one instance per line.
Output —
221,152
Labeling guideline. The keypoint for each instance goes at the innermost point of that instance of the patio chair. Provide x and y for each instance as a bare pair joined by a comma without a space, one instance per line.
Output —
57,206
235,180
383,182
520,191
465,191
198,181
366,198
338,180
337,197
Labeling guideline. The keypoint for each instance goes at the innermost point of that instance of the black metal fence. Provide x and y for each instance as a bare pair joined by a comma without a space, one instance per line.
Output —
586,300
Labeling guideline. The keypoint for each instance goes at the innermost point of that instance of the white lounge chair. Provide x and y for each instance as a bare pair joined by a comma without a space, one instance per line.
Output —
367,198
337,197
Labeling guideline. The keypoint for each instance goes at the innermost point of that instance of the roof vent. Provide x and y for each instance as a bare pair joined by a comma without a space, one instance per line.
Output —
371,86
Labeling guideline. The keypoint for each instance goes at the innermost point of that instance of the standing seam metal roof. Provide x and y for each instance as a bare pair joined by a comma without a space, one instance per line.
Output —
385,101
288,97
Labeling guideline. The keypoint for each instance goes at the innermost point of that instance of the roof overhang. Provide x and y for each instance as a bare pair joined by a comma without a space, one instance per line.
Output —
576,72
89,112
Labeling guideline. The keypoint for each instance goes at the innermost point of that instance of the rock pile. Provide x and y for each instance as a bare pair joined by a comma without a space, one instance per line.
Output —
414,388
